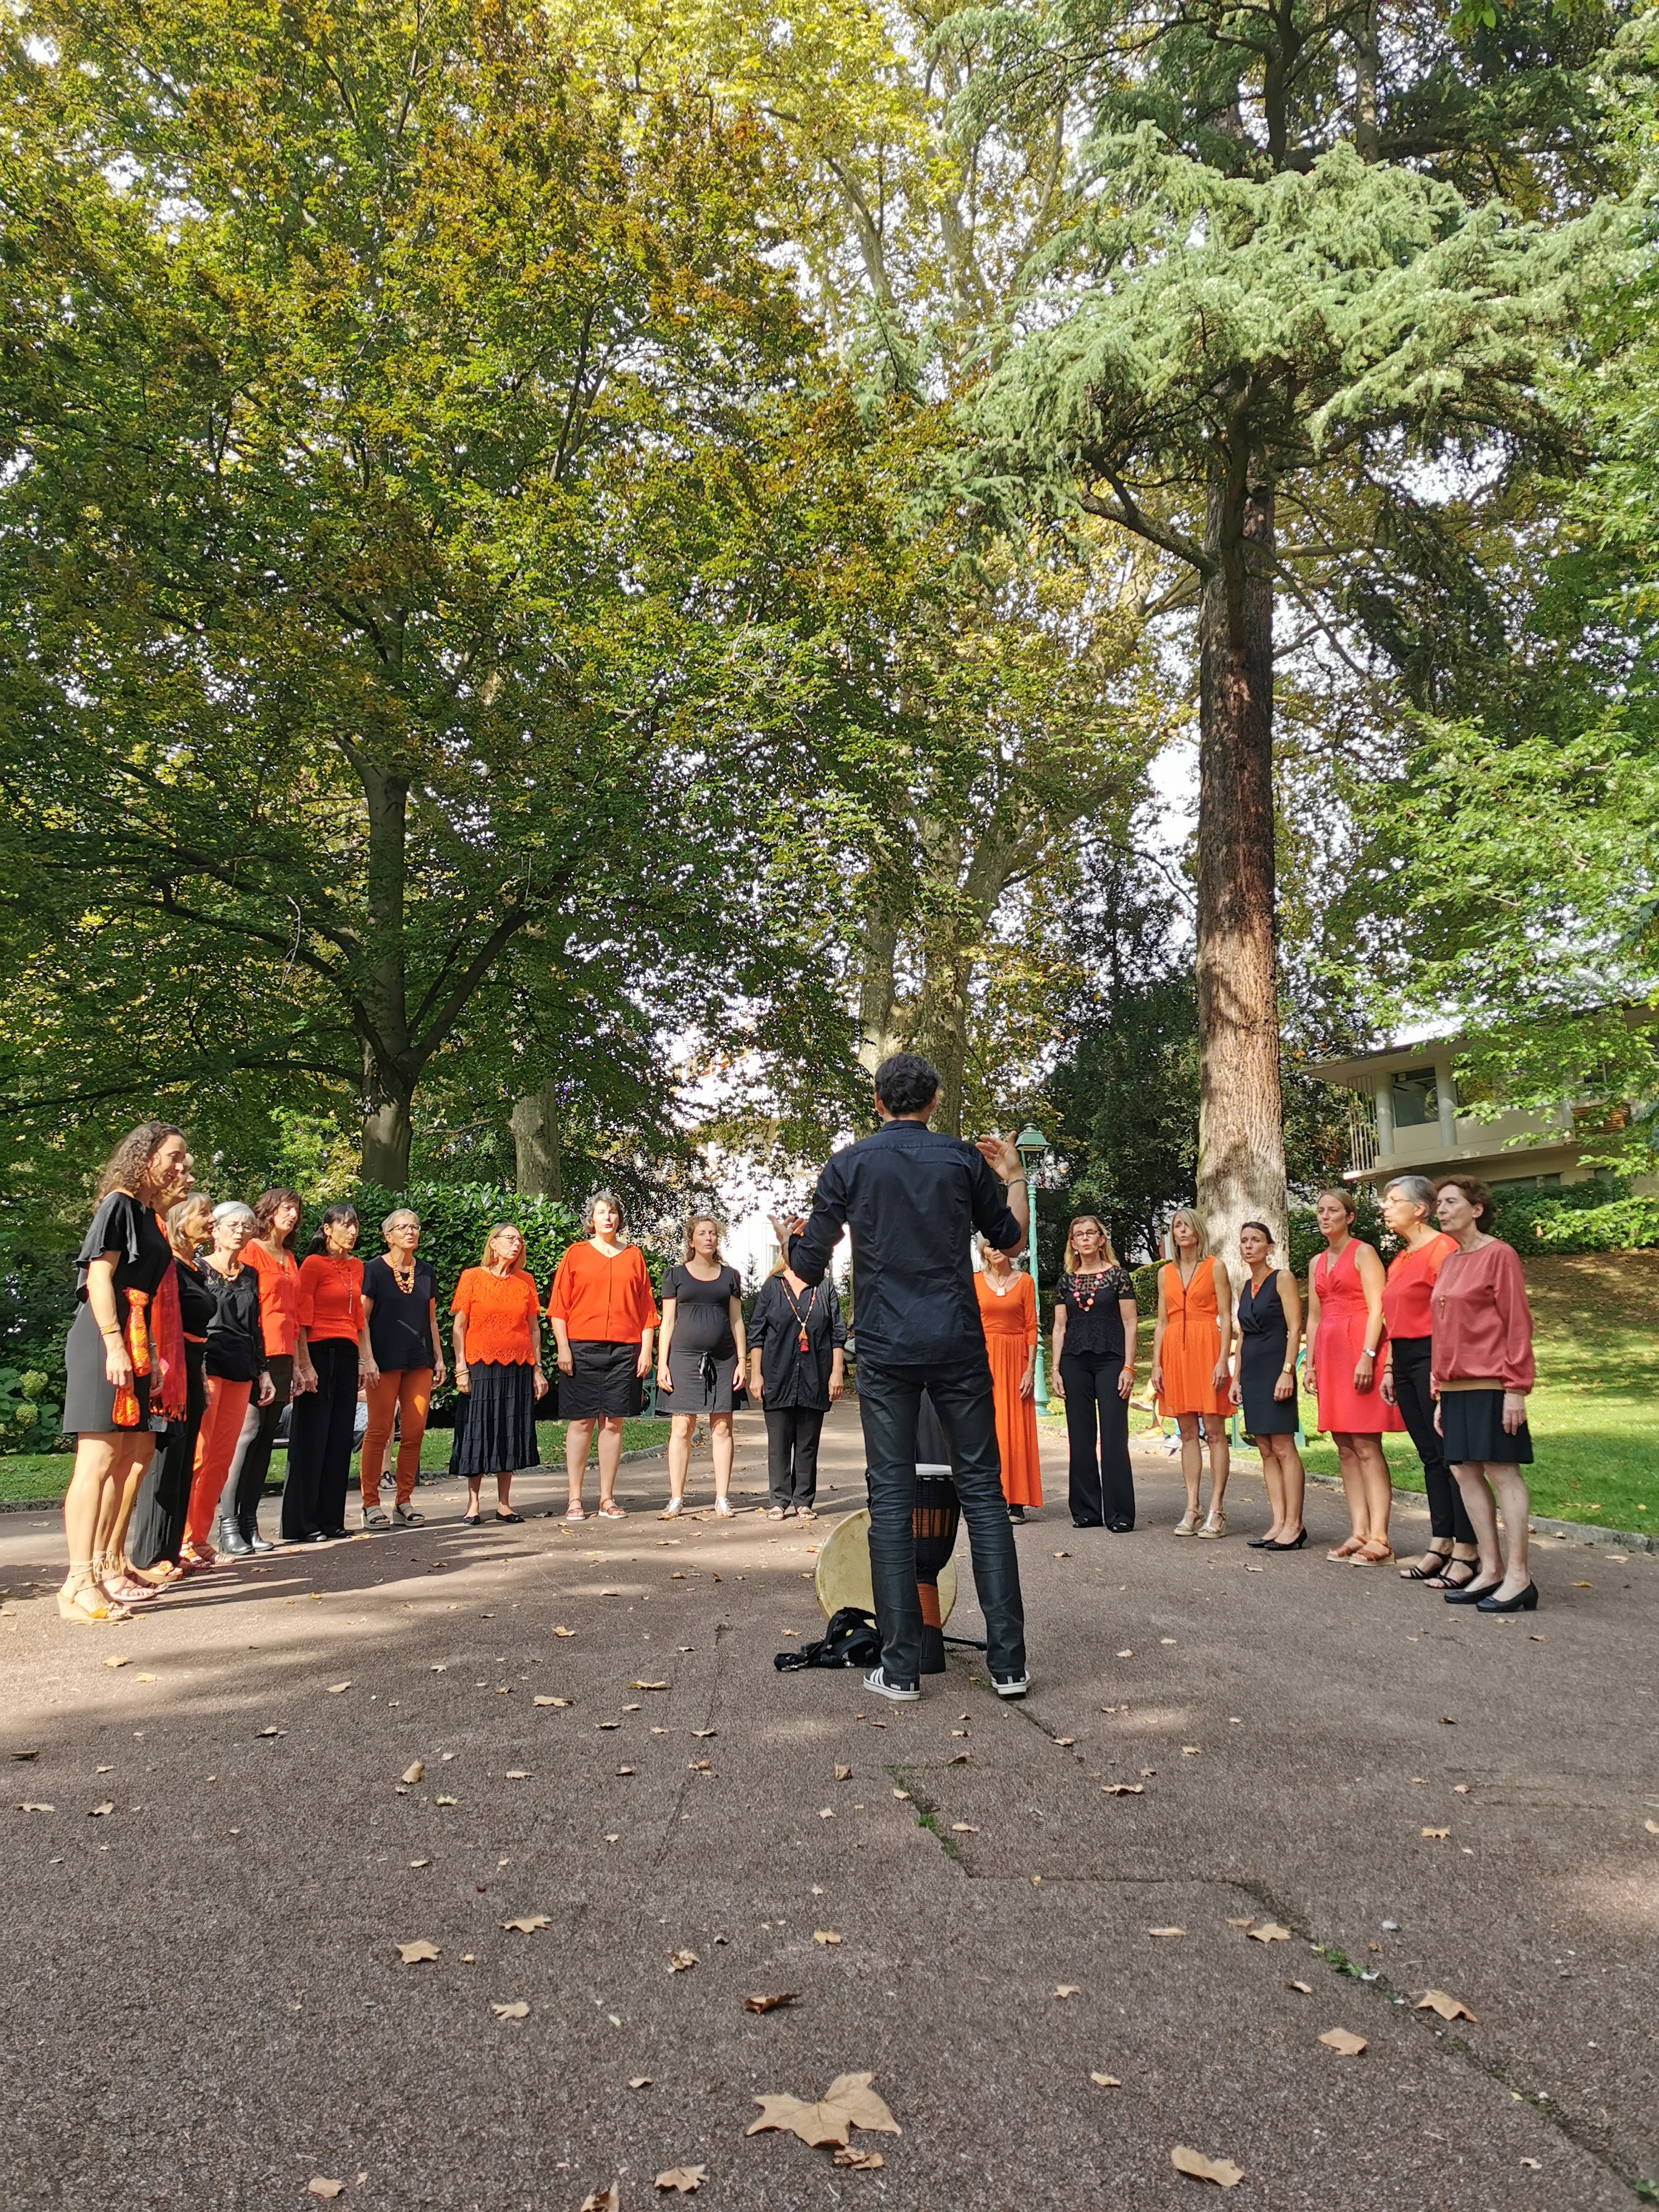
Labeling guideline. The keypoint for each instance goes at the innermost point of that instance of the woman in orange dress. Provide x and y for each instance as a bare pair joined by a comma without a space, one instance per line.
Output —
1191,1375
1007,1307
1344,1334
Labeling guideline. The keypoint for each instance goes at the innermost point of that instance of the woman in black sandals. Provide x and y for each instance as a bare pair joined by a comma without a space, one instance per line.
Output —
1452,1558
1264,1382
498,1371
157,1533
700,1358
797,1361
1094,1374
400,1301
124,1269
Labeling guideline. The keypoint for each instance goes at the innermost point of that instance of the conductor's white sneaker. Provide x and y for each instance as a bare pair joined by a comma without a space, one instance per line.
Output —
1011,1685
901,1694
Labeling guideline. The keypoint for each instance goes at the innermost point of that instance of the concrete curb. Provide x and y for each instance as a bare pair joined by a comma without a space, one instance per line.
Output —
1568,1532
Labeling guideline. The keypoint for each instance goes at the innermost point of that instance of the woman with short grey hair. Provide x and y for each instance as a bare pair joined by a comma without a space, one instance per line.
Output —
1408,1209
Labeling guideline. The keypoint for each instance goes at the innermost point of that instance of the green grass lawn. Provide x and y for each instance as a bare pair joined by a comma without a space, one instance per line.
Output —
31,1478
1595,1411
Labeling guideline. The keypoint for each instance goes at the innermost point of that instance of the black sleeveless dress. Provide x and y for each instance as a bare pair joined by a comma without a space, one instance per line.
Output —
1263,1336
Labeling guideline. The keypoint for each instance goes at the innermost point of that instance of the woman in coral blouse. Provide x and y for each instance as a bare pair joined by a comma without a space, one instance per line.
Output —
1008,1310
332,1357
269,1253
1483,1370
1452,1556
1192,1374
1345,1332
497,1335
605,1320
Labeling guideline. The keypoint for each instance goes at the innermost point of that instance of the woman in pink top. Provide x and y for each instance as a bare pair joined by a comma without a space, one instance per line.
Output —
1451,1560
1482,1370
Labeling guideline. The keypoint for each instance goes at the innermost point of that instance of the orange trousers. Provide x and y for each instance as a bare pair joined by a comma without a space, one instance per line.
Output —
215,1445
406,1391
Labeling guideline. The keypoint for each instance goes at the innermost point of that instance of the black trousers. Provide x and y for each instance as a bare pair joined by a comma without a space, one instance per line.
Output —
890,1399
1102,1489
245,1484
319,1442
1446,1515
157,1527
791,1453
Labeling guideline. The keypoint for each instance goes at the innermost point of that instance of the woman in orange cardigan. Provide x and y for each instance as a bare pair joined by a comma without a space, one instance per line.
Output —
1191,1372
605,1322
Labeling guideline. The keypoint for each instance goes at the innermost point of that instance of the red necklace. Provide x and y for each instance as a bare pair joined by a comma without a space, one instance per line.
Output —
1096,1276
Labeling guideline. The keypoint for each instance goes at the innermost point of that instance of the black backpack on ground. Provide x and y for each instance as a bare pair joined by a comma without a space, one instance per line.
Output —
850,1640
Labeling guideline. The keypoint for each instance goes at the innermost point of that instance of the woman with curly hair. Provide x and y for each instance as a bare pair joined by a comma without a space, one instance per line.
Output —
125,1364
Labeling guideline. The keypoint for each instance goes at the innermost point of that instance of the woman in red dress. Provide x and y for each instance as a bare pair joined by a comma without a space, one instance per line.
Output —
1345,1333
1007,1308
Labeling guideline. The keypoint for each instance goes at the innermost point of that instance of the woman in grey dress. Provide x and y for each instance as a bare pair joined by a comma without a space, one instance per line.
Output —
699,1360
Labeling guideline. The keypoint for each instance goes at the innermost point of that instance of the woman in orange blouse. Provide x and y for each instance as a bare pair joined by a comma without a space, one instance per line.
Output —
605,1320
1452,1557
332,1357
269,1253
1191,1371
1007,1308
497,1335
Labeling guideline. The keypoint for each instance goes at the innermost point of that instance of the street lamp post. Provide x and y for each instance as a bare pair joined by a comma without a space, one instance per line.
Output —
1033,1149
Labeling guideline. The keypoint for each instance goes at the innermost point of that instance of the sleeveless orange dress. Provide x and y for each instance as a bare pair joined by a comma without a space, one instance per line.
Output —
1011,1330
1192,1343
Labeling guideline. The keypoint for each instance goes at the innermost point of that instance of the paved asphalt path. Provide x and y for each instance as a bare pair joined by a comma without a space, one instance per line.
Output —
204,2004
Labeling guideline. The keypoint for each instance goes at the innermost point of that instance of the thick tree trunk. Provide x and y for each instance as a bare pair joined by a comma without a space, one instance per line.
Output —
388,1128
1240,1139
879,1035
539,1171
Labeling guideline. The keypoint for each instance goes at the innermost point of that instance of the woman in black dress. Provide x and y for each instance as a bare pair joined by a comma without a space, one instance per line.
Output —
1094,1371
158,1519
119,1351
797,1335
1264,1382
699,1360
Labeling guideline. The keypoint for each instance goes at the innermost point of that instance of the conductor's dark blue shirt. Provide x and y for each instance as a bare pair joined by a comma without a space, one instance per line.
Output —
913,1199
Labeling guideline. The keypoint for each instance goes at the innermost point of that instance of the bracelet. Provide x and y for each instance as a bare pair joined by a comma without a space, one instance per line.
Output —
1013,1179
110,1332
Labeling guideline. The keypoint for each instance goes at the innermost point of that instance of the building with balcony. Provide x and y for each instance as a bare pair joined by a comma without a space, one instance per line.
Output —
1404,1120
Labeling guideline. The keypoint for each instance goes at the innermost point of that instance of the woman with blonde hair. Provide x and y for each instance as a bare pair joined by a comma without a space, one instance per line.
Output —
604,1322
700,1357
124,1363
400,1303
1094,1373
498,1370
797,1361
1191,1366
1346,1331
234,1374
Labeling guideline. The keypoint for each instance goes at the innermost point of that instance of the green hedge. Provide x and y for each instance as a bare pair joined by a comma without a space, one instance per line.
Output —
1547,1222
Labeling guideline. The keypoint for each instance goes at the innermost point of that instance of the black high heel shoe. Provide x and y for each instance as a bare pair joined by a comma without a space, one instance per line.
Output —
1471,1593
1524,1600
1295,1544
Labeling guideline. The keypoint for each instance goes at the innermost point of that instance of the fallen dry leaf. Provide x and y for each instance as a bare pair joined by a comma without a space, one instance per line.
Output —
1123,1789
624,1770
1190,1750
681,1962
564,1631
419,1863
413,1772
270,1731
1220,2170
603,2200
704,1734
1166,1931
1306,1988
118,1662
860,2161
1064,1742
1460,1789
685,2178
529,1924
814,2123
1126,1655
640,2081
1449,2008
1270,1932
1106,2081
335,1688
647,1685
825,1935
964,1828
1534,2165
1346,2044
1069,1990
1243,1922
26,1807
443,1801
1652,1827
99,1812
146,1677
852,2094
902,1795
825,1814
319,2185
771,2004
516,2009
416,1953
844,1774
517,1774
1438,1834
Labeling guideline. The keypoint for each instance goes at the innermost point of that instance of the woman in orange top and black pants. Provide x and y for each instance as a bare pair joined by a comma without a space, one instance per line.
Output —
605,1320
331,1356
497,1335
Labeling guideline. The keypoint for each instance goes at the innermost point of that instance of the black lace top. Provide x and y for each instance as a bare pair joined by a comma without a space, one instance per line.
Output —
1093,1322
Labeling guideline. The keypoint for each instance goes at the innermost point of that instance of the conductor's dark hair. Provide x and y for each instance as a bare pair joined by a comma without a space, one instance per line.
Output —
906,1082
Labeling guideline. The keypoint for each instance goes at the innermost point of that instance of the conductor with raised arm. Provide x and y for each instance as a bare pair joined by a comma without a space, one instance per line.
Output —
913,1199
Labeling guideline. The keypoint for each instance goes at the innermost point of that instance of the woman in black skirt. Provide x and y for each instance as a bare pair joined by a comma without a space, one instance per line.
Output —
1264,1381
158,1519
797,1359
1094,1372
126,1340
700,1359
497,1336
